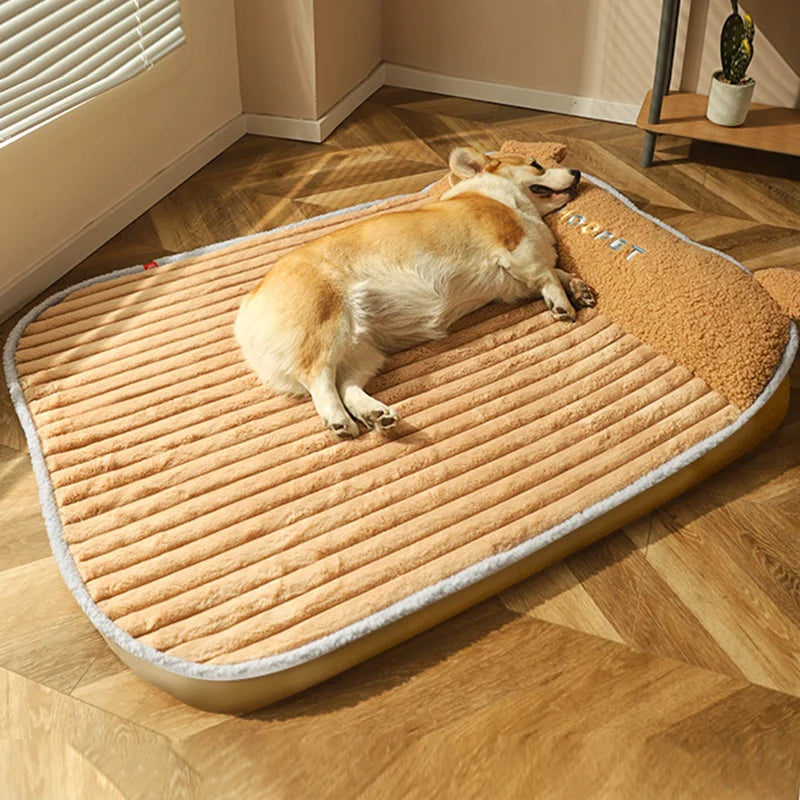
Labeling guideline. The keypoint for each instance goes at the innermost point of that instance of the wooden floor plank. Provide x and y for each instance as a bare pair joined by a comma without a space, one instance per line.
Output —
95,748
24,536
128,697
618,573
44,635
557,596
695,556
529,709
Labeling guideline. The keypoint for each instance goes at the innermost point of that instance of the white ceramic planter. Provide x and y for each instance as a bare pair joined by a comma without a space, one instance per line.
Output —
729,103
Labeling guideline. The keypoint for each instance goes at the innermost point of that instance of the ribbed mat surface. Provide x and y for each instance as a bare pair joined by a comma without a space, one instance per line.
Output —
218,523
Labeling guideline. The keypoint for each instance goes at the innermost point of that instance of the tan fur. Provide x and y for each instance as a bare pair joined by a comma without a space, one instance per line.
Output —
323,317
499,222
507,159
318,305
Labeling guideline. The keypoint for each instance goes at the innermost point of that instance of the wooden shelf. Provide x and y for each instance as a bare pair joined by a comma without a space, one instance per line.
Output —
770,128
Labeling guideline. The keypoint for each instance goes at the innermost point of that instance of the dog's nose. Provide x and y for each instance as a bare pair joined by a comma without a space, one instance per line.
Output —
575,174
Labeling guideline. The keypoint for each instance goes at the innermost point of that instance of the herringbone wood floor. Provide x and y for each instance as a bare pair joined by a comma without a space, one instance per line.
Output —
662,662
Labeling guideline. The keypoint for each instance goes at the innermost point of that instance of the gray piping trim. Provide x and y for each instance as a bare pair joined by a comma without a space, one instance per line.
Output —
430,594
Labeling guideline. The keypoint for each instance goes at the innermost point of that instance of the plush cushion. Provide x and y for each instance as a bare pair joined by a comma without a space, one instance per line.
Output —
218,531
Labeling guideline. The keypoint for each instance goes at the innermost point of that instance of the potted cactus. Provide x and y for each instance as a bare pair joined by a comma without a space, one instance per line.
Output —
731,88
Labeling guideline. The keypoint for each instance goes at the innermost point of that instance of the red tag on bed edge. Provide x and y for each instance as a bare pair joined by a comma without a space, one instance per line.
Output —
150,265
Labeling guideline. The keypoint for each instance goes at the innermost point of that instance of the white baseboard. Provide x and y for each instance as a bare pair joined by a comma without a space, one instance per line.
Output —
59,261
411,78
316,130
302,130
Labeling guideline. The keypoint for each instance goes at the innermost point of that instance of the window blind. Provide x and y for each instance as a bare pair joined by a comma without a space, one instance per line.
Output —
54,55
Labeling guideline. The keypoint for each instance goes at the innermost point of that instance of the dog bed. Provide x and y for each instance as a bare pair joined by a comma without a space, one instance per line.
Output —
232,551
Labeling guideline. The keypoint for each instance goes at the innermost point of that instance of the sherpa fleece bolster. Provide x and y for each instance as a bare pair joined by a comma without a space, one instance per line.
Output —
693,304
784,285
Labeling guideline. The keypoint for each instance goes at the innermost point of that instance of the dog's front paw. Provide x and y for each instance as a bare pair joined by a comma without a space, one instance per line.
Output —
580,293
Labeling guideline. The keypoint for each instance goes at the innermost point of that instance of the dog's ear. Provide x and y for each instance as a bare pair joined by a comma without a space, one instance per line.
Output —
466,162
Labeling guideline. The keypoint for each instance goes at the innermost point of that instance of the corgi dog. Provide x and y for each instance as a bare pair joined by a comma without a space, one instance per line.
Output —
325,316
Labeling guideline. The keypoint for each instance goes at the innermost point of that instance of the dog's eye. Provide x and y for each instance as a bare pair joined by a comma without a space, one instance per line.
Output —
537,165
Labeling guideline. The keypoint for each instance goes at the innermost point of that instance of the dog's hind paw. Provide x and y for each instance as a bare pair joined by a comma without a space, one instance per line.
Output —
581,293
375,415
381,418
344,429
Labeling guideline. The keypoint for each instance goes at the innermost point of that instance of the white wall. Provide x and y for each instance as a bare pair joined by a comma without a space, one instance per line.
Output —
347,36
276,57
599,49
297,58
63,177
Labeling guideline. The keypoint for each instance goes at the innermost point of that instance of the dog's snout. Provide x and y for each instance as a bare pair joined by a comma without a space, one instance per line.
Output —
576,174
